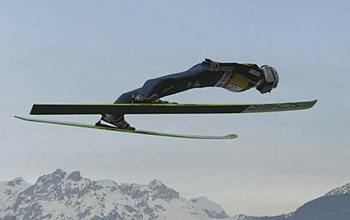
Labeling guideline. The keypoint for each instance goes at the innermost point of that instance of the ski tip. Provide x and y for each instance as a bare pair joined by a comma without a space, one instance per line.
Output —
313,102
232,136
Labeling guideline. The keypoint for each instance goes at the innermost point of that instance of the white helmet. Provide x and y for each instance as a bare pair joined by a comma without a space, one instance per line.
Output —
271,75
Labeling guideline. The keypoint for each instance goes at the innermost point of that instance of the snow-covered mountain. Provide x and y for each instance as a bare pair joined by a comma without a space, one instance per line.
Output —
334,205
63,196
70,196
8,195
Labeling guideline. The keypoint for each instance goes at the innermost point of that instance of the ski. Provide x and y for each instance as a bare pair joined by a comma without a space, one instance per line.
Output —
63,109
137,131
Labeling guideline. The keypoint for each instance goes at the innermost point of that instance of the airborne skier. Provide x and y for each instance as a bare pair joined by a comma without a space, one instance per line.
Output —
231,76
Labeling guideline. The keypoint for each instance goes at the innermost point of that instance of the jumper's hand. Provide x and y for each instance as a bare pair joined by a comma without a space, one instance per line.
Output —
210,65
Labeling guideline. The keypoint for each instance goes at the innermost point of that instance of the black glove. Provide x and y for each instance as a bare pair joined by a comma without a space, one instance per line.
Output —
210,65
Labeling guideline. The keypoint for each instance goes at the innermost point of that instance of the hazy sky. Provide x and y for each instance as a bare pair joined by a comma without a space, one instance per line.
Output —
92,51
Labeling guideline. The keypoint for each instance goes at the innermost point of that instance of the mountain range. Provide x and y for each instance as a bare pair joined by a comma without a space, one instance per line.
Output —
61,195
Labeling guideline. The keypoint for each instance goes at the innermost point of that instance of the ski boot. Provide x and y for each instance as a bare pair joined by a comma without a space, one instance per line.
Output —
118,123
152,99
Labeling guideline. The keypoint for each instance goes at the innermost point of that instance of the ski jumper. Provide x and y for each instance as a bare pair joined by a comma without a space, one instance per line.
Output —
231,76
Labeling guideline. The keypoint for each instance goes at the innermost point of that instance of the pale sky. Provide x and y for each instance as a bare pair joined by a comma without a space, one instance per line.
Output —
92,51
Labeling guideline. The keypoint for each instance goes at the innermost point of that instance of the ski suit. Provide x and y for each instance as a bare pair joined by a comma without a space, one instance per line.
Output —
232,76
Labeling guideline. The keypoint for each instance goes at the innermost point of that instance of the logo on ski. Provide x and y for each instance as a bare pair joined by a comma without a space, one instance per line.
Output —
279,106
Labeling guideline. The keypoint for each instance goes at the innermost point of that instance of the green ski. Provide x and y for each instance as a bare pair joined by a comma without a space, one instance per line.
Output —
109,128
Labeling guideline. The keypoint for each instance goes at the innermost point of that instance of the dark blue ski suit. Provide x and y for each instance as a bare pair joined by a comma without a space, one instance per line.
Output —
232,76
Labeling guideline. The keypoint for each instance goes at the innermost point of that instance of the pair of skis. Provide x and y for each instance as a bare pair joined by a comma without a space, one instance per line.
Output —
75,109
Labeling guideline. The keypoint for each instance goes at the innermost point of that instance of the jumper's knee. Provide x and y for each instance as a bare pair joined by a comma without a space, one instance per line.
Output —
150,83
125,98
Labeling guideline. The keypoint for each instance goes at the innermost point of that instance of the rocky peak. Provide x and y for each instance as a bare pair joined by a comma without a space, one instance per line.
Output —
340,190
155,184
16,182
212,209
75,176
53,178
162,191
